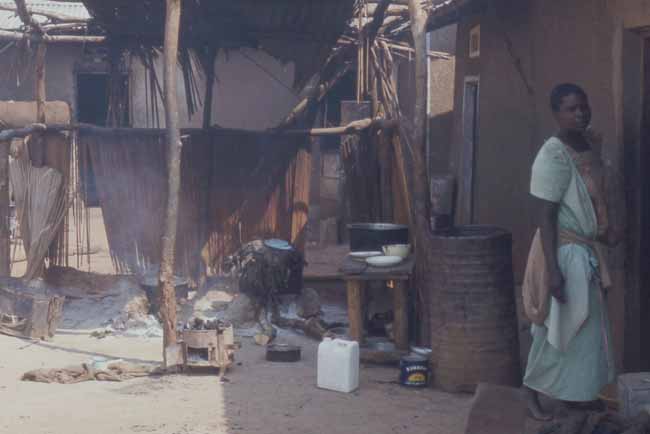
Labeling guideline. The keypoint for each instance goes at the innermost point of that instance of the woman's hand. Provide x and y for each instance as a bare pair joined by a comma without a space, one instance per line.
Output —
556,284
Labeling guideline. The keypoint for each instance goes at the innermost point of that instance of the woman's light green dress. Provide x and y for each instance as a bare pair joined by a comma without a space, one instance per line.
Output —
571,356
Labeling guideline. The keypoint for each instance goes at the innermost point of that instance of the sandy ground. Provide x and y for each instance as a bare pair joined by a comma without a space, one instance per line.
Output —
258,396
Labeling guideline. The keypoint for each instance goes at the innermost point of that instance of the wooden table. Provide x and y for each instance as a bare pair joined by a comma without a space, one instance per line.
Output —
356,274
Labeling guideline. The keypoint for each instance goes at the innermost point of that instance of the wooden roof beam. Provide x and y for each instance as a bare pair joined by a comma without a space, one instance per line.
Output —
19,36
27,18
47,14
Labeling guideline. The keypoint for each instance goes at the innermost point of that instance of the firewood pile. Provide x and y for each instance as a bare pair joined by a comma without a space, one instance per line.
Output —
599,423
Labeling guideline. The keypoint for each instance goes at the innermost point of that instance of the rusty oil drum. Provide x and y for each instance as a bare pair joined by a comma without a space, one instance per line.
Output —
473,310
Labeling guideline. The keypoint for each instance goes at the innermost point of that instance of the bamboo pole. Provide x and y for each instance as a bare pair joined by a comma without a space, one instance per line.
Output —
168,300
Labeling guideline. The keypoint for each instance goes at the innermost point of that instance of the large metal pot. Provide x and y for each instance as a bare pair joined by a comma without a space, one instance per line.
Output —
150,284
372,236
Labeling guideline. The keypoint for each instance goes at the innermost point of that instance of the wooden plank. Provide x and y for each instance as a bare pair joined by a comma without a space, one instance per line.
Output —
168,301
355,309
400,311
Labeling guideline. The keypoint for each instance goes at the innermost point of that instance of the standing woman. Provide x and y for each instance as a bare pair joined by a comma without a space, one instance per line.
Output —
571,355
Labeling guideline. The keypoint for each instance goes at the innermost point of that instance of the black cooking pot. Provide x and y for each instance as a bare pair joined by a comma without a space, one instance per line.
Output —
373,236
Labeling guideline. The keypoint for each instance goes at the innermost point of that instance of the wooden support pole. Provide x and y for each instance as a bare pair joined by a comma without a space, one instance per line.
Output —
355,309
418,134
27,18
210,59
168,300
5,244
40,90
420,180
37,145
400,310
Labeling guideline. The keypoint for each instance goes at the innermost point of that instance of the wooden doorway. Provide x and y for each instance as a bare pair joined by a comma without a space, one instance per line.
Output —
644,213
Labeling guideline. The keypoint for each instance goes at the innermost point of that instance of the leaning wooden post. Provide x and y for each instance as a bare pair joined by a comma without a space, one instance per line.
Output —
168,301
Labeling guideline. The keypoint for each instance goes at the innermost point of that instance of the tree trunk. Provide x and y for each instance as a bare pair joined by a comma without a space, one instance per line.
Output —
168,300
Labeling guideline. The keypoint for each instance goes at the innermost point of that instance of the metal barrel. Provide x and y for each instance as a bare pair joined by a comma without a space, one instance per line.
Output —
473,311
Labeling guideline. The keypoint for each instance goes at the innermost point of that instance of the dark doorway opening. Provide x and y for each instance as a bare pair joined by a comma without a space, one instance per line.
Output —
93,91
92,98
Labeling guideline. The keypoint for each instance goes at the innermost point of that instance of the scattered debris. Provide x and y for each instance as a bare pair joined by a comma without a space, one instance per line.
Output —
118,371
202,324
265,336
101,334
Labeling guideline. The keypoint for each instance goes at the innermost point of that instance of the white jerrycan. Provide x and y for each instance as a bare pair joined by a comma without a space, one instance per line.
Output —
338,365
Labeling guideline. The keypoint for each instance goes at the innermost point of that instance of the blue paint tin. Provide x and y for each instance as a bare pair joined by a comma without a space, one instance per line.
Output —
414,371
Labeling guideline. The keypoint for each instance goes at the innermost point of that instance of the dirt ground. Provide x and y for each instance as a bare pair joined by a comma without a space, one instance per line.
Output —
257,397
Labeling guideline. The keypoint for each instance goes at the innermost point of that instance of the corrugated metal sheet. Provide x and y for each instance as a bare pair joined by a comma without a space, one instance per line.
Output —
10,21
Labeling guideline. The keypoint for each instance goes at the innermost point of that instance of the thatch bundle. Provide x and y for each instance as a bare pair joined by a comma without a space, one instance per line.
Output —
42,203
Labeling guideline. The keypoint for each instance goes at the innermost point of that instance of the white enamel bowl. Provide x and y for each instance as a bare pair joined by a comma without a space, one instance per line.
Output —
384,261
401,250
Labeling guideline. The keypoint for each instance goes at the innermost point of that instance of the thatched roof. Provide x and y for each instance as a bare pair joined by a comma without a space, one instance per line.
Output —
303,31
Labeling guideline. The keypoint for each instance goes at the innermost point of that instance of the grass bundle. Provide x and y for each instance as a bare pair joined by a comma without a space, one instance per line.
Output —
42,204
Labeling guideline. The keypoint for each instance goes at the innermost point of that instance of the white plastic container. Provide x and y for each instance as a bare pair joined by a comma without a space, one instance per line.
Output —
338,365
